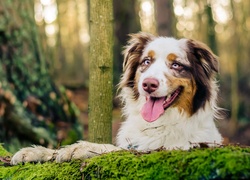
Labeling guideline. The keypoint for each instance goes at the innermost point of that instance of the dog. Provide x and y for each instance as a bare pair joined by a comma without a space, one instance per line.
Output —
169,95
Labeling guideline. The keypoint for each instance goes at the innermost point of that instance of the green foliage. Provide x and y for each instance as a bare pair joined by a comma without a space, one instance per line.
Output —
231,162
3,152
33,110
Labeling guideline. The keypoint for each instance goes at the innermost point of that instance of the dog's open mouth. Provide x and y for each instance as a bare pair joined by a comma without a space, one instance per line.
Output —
155,106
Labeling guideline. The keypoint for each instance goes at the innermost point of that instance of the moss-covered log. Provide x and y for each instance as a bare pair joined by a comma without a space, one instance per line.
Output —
231,162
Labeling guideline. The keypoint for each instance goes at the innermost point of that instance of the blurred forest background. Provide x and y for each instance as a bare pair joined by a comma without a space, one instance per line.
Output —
49,90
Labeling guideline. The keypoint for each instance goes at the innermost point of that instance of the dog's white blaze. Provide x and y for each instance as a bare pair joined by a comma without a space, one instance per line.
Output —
158,69
163,46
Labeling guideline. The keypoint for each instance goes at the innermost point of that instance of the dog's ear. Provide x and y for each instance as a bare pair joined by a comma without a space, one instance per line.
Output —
204,65
135,46
200,54
132,53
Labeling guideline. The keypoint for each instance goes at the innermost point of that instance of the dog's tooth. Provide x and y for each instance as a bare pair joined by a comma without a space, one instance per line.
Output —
169,96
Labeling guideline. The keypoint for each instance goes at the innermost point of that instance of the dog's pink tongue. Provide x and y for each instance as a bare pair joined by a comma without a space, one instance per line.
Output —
153,109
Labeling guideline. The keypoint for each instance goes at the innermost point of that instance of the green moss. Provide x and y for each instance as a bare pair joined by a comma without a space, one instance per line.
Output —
3,152
231,162
70,170
211,163
49,170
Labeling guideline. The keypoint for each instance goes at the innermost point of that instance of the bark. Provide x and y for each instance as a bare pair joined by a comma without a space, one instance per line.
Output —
101,71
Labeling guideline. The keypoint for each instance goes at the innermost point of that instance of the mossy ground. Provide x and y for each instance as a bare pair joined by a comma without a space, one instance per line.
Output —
231,162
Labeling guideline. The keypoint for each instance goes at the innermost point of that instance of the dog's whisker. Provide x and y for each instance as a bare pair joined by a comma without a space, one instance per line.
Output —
152,128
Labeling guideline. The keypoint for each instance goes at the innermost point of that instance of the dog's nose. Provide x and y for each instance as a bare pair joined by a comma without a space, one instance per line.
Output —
150,85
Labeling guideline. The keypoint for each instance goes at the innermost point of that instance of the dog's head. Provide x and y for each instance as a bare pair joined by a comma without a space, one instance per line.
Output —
168,73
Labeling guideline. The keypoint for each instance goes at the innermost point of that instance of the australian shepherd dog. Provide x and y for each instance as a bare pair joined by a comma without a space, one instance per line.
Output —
168,91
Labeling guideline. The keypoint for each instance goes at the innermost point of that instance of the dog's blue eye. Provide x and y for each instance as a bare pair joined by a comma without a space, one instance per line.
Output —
146,62
176,66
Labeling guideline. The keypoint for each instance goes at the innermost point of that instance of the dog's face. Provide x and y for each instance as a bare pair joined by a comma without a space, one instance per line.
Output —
168,73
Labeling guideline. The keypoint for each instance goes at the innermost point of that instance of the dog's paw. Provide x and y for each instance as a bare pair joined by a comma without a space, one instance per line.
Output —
80,150
33,154
83,150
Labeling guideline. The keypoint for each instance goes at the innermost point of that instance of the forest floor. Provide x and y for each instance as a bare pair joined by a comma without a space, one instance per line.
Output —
80,98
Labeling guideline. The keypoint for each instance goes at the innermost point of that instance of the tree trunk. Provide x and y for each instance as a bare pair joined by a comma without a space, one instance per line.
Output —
236,55
32,108
211,34
126,21
164,17
101,71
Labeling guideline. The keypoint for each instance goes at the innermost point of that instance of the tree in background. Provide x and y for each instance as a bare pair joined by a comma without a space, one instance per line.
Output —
33,110
164,17
101,71
126,21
